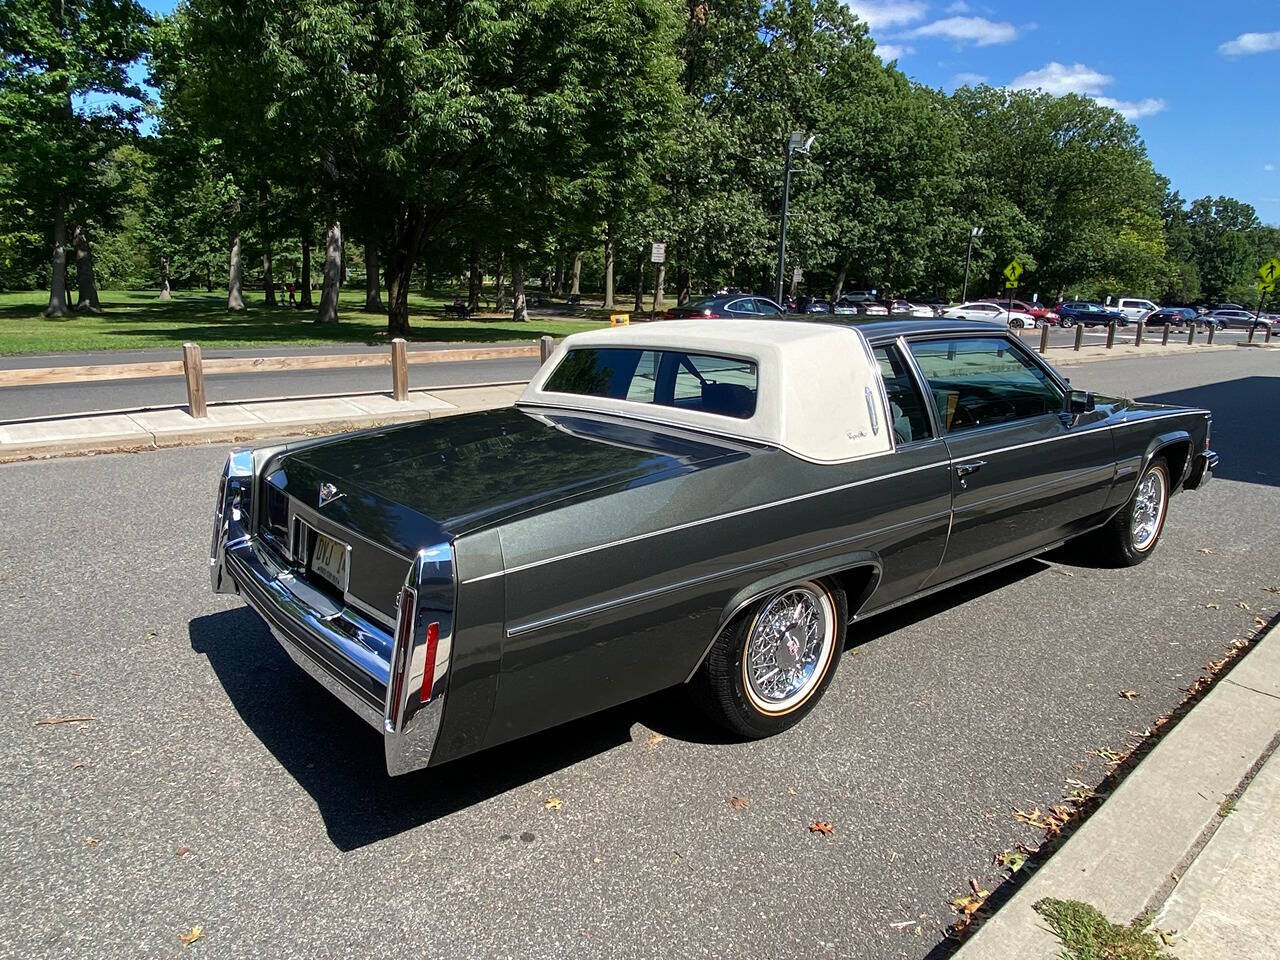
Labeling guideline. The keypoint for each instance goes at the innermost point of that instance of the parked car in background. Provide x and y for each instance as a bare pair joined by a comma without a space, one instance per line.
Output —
1087,314
905,308
1231,319
995,312
812,305
1136,309
726,306
1037,310
1174,316
937,304
850,305
708,505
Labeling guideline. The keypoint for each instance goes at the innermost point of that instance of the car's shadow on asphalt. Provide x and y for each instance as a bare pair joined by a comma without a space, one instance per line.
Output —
338,759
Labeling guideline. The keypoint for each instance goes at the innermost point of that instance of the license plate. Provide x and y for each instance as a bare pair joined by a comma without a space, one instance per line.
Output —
329,559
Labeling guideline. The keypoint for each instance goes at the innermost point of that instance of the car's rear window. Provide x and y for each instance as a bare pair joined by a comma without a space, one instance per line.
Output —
725,386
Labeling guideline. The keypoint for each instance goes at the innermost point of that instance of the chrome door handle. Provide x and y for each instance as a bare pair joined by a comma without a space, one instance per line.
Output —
973,466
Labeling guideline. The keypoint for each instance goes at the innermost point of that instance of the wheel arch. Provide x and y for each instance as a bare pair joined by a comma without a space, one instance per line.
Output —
1175,447
858,574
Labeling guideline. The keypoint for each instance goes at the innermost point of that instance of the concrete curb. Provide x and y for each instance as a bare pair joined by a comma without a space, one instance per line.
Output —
1126,857
1066,357
238,422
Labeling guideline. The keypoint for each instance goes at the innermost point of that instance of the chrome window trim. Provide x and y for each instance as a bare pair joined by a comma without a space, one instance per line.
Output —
704,520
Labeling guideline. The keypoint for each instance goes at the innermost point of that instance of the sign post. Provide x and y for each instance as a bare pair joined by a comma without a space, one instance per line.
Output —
1011,274
658,254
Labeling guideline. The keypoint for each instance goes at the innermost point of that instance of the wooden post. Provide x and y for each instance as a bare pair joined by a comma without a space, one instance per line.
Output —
1111,334
399,370
1044,339
1142,328
1252,327
1266,333
1164,341
1079,335
193,370
1191,334
546,346
1212,328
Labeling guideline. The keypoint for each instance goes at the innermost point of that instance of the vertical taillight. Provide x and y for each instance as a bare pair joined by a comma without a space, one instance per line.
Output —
429,667
403,651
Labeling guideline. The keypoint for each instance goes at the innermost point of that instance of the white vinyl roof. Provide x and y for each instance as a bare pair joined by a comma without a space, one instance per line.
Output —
819,394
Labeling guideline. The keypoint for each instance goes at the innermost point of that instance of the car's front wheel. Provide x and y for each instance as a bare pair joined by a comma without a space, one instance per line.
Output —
1131,535
1066,323
772,663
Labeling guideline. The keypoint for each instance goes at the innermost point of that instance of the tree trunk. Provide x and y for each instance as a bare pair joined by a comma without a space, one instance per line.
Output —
557,284
608,266
406,244
235,279
268,284
87,289
58,282
208,278
659,294
474,279
577,274
372,285
304,295
519,308
682,285
332,275
500,293
164,278
640,281
840,278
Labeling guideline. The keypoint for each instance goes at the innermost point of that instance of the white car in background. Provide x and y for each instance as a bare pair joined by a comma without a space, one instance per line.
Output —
993,312
1136,309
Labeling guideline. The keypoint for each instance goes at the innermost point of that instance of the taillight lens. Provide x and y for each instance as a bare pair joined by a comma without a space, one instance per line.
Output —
429,668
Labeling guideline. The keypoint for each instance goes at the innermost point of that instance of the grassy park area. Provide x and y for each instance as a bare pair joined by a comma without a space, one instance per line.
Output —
134,319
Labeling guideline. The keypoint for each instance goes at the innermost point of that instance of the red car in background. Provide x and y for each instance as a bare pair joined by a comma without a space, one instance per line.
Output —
1037,310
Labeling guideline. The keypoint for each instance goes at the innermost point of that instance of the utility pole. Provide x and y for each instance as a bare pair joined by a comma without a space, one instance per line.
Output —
797,142
974,233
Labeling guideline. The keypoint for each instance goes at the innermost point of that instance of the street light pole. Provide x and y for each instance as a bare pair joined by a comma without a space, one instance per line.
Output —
799,142
974,233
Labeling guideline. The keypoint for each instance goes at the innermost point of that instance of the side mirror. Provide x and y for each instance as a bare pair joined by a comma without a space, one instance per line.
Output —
1079,401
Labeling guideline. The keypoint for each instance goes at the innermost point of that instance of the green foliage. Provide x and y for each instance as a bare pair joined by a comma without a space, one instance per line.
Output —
1086,934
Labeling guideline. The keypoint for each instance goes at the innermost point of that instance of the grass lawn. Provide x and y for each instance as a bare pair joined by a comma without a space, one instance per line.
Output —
136,318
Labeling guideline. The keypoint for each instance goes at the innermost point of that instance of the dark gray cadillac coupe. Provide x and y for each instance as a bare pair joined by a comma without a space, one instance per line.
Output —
701,502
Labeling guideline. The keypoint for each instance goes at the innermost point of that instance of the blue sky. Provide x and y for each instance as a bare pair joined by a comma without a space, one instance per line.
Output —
1200,80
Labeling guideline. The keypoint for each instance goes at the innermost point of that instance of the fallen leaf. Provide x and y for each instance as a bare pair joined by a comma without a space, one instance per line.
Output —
151,635
1011,860
967,906
1167,937
738,803
1205,550
553,803
1130,694
1109,755
653,741
1243,605
196,933
77,718
182,851
903,924
822,827
1213,606
92,841
791,791
1066,573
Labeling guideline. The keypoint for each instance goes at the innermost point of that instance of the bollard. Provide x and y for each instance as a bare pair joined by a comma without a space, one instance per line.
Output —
1079,335
546,345
1111,334
1164,341
1212,328
1044,339
1142,328
193,370
399,370
1191,335
1252,327
1266,334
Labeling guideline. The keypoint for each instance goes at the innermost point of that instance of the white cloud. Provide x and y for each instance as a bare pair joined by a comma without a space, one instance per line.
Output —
887,13
1059,79
893,51
1134,109
1268,167
976,30
959,7
1248,43
968,80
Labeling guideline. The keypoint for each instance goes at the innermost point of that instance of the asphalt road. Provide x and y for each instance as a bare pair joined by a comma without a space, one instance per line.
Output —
219,786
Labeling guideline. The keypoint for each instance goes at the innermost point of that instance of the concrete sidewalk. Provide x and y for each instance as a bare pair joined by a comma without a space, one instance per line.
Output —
235,422
1192,835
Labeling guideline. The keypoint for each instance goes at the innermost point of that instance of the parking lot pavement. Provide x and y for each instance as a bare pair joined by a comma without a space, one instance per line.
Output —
217,786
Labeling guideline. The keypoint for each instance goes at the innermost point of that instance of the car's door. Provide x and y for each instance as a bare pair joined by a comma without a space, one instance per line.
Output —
1024,474
742,307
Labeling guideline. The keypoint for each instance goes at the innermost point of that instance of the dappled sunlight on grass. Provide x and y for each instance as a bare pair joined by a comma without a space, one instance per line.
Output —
137,319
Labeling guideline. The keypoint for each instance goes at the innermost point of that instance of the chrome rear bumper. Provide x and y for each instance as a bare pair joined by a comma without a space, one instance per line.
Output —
382,677
1201,472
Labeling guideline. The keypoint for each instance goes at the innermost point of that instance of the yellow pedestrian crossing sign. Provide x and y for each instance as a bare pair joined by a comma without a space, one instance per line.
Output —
1265,286
1270,271
1014,270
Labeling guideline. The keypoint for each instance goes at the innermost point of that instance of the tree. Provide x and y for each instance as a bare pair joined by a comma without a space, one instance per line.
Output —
53,142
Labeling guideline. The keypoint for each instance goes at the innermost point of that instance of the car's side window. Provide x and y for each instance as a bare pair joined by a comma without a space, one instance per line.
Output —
745,305
979,381
906,405
767,308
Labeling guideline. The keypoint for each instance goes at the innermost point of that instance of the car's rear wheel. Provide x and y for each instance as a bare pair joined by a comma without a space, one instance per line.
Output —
772,663
1066,323
1131,535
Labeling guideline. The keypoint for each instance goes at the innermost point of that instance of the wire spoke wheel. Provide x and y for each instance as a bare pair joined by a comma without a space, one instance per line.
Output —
1149,505
789,648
